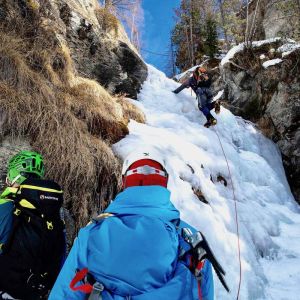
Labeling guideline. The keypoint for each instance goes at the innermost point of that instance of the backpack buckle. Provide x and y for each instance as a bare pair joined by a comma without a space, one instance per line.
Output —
17,212
49,225
96,291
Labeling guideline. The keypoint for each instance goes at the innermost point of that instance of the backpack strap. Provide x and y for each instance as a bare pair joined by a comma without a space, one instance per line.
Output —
81,276
15,223
89,286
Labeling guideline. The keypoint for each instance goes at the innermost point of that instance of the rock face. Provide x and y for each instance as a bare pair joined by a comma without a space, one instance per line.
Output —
263,85
274,18
99,46
49,53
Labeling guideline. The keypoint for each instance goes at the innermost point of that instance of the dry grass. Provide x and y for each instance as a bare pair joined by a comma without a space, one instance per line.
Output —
71,120
130,111
107,20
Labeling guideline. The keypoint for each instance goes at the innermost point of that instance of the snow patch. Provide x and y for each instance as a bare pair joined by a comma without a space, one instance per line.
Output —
219,95
271,62
232,52
288,48
239,48
191,70
262,57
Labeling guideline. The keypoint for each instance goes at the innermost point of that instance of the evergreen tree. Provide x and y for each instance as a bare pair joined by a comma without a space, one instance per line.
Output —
200,24
231,20
211,37
189,32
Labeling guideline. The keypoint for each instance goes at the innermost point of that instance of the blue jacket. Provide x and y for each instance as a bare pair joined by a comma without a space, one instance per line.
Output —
6,211
116,252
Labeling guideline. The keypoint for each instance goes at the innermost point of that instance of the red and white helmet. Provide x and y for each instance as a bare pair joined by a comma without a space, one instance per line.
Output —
144,167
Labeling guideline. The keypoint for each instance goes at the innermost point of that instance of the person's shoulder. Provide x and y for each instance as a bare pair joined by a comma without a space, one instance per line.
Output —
84,231
42,183
6,207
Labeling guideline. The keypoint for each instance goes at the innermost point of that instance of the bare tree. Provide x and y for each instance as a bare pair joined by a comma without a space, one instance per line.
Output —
254,24
188,44
247,22
191,32
130,13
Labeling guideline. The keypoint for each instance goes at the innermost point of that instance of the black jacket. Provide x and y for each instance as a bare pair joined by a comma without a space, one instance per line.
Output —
192,82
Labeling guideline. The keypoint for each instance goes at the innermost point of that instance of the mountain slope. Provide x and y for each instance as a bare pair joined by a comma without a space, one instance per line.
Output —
268,216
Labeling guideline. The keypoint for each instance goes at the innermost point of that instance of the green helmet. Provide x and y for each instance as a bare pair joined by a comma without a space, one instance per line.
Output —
24,163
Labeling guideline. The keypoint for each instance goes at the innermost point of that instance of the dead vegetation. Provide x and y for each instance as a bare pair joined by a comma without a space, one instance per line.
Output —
107,20
130,111
71,120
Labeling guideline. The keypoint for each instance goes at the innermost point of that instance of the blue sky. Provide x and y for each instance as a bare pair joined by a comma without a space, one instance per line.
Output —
158,22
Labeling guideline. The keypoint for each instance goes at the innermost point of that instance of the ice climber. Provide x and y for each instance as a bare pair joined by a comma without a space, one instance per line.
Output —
32,237
134,250
200,82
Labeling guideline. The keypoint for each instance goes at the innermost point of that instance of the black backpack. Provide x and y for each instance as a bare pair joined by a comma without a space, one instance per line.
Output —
35,250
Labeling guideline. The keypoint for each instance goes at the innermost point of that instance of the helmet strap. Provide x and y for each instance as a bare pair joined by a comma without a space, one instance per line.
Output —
7,182
15,179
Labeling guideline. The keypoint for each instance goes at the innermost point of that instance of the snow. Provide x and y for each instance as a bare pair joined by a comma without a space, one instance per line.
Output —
239,48
262,57
232,52
191,70
269,218
288,48
257,44
219,95
271,62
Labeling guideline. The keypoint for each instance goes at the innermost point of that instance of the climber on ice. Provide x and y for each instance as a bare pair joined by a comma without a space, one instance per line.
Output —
200,82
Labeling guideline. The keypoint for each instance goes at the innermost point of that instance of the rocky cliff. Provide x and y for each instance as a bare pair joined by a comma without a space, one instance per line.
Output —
273,18
99,45
58,62
262,84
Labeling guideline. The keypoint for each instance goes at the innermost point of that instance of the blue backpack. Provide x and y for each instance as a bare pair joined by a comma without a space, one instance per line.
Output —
134,251
144,261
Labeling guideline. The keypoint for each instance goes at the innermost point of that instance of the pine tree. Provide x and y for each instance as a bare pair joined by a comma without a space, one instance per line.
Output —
189,32
231,21
211,43
181,36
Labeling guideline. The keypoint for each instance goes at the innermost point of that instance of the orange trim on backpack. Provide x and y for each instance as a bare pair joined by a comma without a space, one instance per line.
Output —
79,276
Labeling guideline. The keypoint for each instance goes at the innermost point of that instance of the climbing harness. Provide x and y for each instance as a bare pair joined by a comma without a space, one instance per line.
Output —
236,216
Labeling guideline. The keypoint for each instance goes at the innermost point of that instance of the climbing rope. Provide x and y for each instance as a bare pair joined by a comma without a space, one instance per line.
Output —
236,215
